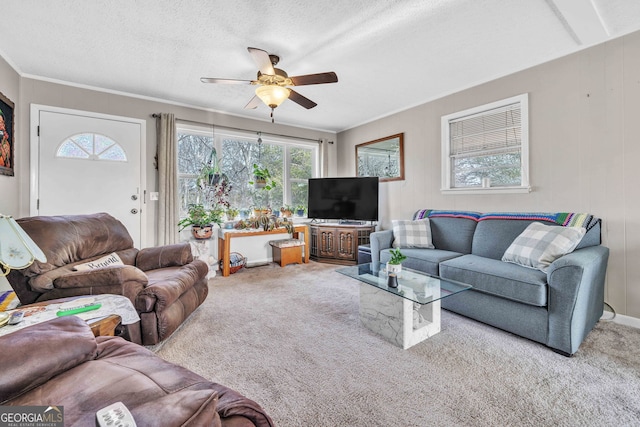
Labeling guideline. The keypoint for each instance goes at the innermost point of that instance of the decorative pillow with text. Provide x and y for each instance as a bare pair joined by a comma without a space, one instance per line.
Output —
105,261
539,245
412,234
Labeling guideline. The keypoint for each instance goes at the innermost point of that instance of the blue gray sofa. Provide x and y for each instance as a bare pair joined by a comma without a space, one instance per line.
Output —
557,308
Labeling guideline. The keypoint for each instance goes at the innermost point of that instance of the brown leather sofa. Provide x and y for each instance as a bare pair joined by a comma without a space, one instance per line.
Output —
61,363
165,283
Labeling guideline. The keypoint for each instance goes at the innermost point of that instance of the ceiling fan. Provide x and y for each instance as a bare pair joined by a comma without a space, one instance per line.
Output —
272,82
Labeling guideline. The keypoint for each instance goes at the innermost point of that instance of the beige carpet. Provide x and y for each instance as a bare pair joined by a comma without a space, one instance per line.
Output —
290,339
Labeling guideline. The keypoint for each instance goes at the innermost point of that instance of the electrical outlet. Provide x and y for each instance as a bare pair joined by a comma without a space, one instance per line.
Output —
154,195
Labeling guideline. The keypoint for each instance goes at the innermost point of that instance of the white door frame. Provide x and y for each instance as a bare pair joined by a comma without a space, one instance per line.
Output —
35,158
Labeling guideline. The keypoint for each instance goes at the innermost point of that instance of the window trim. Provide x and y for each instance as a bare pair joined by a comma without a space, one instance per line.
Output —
445,182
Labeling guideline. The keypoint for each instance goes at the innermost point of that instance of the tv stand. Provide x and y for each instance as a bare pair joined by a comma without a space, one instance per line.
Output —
337,242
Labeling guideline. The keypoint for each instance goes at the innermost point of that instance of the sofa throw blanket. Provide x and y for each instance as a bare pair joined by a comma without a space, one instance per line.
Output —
566,219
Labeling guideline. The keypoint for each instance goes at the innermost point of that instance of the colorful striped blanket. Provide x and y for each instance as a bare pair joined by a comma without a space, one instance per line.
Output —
566,219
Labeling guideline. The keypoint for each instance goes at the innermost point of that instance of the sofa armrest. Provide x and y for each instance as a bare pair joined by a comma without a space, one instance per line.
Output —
380,240
576,296
40,352
164,256
125,280
159,295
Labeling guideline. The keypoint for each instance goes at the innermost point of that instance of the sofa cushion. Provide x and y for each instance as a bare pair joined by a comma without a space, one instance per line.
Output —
451,230
412,234
498,278
539,245
33,358
69,239
425,260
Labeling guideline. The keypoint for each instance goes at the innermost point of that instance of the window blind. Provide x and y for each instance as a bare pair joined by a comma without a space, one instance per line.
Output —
493,131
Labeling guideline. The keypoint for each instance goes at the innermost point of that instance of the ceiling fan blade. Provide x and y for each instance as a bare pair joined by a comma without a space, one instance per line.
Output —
262,60
226,81
253,104
299,99
315,79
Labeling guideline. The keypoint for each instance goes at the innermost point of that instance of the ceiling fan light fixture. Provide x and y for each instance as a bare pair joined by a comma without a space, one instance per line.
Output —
272,95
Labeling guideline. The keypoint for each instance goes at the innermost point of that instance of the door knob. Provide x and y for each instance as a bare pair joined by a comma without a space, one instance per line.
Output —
134,211
134,197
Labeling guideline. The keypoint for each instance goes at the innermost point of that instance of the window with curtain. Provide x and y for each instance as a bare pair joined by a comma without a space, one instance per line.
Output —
291,163
486,148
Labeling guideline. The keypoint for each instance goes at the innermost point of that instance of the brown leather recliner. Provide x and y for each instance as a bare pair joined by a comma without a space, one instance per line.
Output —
61,363
165,283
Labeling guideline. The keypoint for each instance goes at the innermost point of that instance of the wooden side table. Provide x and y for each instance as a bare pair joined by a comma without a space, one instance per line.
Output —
224,242
105,327
109,324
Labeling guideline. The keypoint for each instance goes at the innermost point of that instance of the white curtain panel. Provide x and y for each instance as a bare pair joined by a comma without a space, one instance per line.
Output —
324,158
167,180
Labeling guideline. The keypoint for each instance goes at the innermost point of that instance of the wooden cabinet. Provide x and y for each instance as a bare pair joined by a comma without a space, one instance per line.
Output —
338,243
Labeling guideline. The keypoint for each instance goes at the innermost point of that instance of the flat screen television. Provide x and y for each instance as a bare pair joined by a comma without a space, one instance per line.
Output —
348,199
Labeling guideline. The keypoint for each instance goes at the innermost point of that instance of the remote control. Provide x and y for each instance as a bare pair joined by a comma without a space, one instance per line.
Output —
16,317
78,310
115,415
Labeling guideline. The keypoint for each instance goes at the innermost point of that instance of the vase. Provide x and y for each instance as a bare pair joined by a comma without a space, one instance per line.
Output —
202,233
394,268
392,280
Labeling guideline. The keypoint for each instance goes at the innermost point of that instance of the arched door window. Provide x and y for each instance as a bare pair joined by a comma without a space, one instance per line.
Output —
91,146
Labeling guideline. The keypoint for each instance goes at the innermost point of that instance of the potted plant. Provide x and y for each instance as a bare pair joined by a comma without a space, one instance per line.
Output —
287,211
262,178
300,210
201,221
268,222
232,213
394,265
210,173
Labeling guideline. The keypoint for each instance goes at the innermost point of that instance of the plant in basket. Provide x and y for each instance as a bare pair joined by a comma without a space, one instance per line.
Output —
201,221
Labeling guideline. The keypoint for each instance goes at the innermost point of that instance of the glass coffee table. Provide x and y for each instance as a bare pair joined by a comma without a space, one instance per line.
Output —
405,315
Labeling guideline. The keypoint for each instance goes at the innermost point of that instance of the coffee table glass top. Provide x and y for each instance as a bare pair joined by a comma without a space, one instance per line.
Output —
412,285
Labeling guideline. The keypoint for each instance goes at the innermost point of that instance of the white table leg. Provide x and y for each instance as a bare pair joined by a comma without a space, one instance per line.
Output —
400,321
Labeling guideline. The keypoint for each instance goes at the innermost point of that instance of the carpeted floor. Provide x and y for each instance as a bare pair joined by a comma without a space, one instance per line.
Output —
290,339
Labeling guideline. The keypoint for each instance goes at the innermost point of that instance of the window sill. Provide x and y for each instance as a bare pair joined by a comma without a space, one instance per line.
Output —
490,190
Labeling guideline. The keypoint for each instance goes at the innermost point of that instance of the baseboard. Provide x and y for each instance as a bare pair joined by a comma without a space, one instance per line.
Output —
621,319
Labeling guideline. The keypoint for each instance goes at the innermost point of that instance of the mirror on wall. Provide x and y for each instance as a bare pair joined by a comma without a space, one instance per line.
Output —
383,158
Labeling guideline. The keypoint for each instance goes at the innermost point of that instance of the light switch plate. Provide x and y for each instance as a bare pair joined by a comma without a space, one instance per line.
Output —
154,195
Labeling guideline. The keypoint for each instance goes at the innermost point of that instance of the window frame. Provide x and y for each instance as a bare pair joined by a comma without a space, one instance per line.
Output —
286,142
446,159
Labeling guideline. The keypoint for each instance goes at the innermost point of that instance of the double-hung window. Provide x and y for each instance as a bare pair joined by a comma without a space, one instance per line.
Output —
291,162
486,149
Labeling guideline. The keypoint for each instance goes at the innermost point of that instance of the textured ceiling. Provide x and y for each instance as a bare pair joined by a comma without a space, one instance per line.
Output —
389,55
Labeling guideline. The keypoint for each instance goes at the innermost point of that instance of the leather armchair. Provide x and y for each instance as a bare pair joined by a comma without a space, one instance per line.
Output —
61,363
164,283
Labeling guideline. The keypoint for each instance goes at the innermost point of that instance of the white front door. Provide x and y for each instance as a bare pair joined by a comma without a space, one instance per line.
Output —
88,163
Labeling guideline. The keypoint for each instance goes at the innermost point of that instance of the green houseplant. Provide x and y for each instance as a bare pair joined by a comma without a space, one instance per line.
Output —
262,178
287,211
394,265
300,210
201,221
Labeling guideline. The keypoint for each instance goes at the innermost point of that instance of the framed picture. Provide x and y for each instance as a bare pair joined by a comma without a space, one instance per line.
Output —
383,158
6,135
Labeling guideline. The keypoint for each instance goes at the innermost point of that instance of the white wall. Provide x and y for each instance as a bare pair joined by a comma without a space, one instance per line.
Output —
59,95
584,113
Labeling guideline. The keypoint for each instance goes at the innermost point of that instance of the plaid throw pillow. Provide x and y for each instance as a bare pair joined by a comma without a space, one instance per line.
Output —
412,234
539,245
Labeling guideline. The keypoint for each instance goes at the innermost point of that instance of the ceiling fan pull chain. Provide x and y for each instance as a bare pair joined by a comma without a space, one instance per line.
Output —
272,115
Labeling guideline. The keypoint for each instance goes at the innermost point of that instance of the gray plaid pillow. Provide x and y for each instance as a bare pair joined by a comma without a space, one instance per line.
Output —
412,234
539,245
